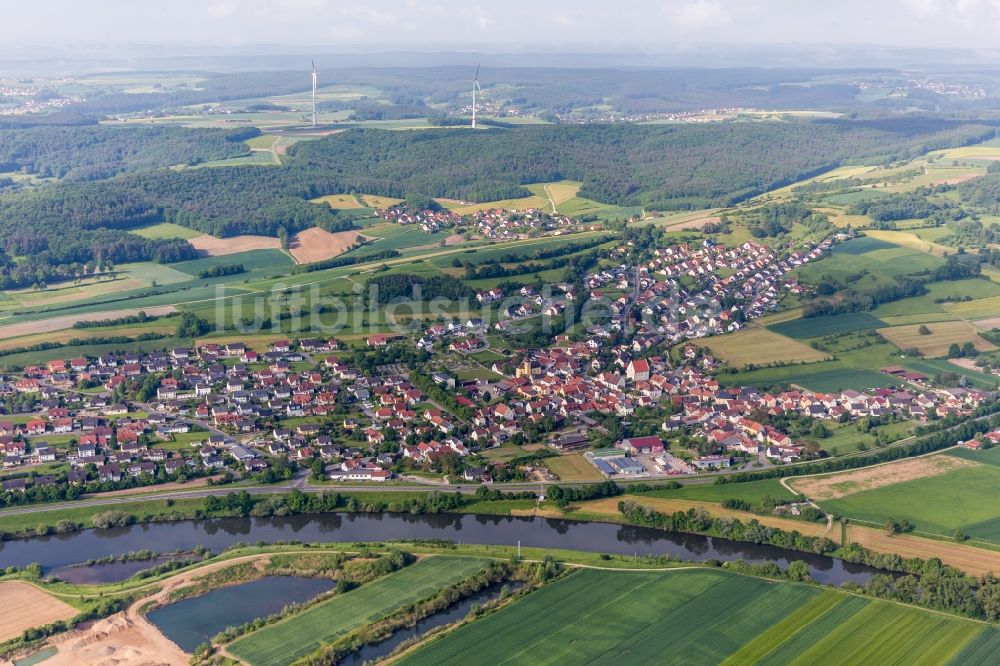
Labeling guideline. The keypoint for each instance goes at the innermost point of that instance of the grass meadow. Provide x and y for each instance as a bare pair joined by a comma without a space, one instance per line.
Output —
285,641
700,616
955,500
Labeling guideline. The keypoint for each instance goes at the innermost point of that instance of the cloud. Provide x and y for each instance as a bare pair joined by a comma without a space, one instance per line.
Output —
221,9
696,14
372,16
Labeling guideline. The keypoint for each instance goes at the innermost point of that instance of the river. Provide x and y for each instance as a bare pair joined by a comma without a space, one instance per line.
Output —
55,551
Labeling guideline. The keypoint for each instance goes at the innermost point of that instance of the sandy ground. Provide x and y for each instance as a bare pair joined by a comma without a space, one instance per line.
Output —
970,559
609,506
967,363
24,606
116,641
215,247
869,478
318,244
128,638
67,321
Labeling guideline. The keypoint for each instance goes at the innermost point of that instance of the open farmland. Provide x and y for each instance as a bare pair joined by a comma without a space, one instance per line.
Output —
165,230
254,261
814,327
25,606
969,558
317,244
946,497
573,468
341,201
301,633
609,507
708,616
942,335
761,346
835,486
67,321
376,201
214,247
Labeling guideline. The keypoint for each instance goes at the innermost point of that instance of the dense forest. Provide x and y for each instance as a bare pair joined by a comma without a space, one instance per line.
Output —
98,152
983,192
659,167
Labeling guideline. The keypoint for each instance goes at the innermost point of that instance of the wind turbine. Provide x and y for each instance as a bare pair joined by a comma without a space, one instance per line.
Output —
475,87
314,92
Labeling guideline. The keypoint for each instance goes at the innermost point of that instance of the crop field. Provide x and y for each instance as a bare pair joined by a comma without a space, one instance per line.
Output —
573,468
375,201
609,507
254,261
315,244
67,292
931,367
214,247
853,196
972,559
708,616
869,255
880,633
751,491
823,376
942,335
523,203
761,346
341,201
65,335
989,456
559,192
814,327
978,308
301,633
863,245
939,504
940,298
25,606
910,240
165,230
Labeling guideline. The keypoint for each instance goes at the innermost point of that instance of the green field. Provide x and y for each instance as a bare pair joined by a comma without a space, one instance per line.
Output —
939,504
254,261
814,327
751,491
975,289
302,633
698,617
824,376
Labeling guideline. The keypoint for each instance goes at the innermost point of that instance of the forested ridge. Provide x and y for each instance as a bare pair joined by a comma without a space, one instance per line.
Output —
656,166
98,151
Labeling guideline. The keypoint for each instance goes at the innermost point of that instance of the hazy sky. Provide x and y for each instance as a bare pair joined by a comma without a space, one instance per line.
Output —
440,24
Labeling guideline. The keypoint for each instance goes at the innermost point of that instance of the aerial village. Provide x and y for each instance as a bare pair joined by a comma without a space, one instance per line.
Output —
228,411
